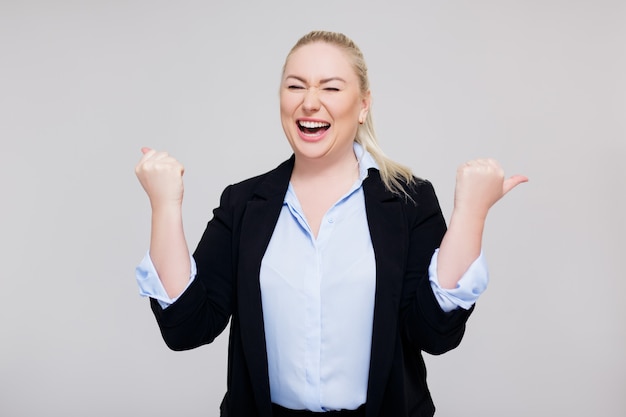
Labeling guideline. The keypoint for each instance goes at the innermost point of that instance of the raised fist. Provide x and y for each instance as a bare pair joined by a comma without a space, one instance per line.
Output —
161,176
480,184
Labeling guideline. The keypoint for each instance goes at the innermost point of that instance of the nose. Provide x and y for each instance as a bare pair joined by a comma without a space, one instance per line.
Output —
311,100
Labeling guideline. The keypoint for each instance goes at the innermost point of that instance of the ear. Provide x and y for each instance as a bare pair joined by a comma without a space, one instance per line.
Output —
366,102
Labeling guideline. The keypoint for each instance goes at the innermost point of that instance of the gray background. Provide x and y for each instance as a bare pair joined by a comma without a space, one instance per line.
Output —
539,85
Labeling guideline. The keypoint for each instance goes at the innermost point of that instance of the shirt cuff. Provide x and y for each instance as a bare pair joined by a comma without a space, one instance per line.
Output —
150,284
471,285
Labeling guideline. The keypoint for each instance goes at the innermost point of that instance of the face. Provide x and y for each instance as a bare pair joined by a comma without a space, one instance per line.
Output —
321,103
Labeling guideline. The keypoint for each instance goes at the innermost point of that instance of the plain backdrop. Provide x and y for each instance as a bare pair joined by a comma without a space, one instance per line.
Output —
539,85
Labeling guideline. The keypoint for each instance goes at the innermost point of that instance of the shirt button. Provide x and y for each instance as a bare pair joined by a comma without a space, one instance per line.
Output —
331,220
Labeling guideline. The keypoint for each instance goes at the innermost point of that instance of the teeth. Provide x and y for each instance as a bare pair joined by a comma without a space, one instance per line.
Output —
312,125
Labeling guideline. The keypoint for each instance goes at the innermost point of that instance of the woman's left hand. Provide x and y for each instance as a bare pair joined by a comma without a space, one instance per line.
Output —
480,184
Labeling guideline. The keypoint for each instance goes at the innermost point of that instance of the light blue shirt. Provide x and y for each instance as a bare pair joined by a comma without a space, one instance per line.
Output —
318,305
318,300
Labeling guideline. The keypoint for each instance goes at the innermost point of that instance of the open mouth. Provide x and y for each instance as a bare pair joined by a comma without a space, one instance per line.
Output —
311,128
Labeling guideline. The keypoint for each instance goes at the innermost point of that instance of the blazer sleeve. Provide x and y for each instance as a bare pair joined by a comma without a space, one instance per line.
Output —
425,325
204,309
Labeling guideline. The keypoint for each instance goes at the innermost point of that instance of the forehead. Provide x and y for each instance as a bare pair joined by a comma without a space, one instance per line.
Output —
320,60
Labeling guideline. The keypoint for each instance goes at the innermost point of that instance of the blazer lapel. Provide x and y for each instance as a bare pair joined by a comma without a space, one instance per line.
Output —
257,226
389,236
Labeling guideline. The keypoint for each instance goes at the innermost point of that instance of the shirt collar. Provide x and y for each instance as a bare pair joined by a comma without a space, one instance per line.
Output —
365,159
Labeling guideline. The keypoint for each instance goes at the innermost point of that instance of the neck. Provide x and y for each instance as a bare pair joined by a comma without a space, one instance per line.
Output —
323,169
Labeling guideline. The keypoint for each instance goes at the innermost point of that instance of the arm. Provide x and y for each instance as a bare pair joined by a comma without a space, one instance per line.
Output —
161,177
479,185
426,326
202,307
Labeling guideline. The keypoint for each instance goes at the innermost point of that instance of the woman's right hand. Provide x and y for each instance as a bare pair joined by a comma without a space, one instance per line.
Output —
161,176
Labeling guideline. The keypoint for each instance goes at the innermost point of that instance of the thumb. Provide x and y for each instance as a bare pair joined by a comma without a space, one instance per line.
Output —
145,150
513,182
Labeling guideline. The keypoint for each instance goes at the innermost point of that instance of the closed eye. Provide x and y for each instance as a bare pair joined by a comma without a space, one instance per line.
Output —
295,87
331,89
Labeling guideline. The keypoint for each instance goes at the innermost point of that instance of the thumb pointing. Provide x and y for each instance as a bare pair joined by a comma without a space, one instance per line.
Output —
513,182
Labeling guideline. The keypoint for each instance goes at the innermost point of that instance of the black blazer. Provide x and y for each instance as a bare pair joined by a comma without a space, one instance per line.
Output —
407,317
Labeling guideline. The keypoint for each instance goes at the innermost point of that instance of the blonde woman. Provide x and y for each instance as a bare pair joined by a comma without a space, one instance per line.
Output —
335,269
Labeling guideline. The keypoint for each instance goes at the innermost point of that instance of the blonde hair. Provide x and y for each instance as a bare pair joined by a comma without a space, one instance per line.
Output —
395,176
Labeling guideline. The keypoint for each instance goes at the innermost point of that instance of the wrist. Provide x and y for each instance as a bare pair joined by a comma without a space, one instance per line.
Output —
166,210
468,221
470,213
166,205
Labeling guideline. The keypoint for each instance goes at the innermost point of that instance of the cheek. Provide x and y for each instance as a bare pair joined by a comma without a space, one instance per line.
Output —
288,104
347,110
286,115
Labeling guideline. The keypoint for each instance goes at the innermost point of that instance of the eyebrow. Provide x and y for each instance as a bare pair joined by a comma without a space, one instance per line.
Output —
323,81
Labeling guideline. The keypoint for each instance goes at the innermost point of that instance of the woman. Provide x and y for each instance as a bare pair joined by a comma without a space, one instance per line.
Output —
335,268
